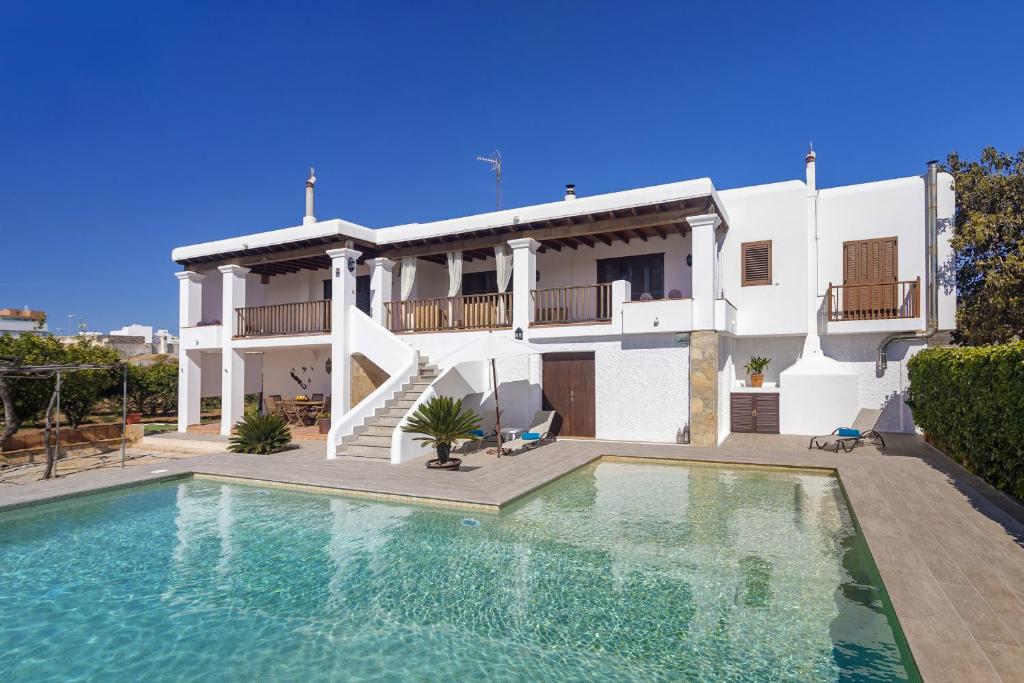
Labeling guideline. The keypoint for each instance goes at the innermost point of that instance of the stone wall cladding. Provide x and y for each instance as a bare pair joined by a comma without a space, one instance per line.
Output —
704,388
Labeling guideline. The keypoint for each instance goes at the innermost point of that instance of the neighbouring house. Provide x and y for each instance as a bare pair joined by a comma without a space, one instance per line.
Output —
131,341
647,305
160,341
19,321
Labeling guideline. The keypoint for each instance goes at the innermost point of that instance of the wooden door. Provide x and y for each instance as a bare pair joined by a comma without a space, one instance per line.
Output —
754,413
569,390
869,277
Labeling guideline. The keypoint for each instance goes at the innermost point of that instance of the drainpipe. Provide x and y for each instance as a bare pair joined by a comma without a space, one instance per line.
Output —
931,280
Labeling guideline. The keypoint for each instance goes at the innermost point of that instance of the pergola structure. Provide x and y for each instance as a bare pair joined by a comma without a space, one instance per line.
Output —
10,369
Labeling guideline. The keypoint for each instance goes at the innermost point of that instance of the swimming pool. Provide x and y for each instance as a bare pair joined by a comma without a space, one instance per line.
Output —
619,571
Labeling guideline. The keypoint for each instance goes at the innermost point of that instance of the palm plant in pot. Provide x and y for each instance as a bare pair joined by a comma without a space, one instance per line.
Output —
755,368
440,422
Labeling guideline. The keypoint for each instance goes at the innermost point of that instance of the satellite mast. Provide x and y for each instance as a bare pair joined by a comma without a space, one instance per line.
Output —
495,161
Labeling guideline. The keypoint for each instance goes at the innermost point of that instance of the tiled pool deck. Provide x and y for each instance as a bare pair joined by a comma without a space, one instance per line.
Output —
950,550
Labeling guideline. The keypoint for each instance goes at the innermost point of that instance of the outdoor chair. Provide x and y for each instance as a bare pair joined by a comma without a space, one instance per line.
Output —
540,431
848,438
272,405
291,412
318,397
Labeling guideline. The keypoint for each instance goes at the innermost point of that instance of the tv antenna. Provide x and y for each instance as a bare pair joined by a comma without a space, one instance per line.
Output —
495,161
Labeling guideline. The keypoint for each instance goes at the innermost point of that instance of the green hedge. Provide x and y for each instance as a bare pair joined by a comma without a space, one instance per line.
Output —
970,403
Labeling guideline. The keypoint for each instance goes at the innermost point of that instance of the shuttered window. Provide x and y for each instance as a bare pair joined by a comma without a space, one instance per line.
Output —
756,263
645,274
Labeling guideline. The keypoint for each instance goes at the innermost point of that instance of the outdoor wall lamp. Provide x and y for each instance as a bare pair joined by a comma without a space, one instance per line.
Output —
519,333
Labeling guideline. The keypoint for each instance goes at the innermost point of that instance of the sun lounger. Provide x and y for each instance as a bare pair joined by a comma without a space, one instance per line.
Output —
848,438
538,433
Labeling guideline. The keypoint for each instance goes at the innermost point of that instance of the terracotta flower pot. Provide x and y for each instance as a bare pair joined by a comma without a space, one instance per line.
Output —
324,425
133,418
756,380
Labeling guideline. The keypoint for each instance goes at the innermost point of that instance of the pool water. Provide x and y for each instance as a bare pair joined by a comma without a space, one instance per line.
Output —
617,572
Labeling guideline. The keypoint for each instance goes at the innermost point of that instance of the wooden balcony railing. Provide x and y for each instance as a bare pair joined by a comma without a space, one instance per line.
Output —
567,305
307,317
469,312
886,301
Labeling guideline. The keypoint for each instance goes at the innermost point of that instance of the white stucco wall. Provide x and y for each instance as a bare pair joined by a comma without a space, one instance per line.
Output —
886,391
776,212
641,381
309,367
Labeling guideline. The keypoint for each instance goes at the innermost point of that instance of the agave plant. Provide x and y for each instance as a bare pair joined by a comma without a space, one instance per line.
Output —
442,421
260,434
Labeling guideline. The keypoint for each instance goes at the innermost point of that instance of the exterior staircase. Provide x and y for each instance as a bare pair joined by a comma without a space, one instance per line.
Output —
372,439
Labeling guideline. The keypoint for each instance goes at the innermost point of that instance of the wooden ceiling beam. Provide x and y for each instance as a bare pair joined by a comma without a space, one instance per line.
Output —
550,233
625,236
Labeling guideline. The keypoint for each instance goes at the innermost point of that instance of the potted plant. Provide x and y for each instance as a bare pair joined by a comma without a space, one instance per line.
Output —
323,422
440,422
755,368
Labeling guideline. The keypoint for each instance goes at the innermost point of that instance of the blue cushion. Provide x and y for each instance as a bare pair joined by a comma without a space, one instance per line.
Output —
476,432
846,431
530,436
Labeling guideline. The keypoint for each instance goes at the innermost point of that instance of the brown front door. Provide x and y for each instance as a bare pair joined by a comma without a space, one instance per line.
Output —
869,277
569,390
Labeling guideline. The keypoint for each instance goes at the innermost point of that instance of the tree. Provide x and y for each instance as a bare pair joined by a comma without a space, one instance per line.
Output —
24,399
988,237
81,390
153,388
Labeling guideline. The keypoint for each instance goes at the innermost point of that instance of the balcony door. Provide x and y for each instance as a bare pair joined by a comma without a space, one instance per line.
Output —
362,292
645,273
869,278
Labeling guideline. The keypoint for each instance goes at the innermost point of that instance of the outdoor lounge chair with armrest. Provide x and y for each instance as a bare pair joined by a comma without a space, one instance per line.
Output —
538,433
848,438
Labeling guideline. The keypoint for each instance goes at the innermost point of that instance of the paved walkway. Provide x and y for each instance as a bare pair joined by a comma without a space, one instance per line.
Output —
950,550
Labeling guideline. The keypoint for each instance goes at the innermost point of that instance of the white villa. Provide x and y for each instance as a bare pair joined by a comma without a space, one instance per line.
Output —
647,304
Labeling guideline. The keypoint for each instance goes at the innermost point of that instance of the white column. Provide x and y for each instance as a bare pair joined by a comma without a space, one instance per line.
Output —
705,264
524,281
812,342
343,298
190,368
232,395
190,298
381,280
190,312
622,291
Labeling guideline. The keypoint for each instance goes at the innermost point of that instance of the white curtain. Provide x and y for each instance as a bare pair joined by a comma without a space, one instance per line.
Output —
454,272
408,276
503,265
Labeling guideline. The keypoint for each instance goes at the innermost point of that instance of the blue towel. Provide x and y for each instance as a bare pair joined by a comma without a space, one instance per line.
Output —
530,436
846,431
476,432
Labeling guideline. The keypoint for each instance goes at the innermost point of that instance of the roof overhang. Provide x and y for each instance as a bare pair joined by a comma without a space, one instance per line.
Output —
641,213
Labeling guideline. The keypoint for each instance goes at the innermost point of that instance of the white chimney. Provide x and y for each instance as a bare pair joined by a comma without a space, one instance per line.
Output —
570,191
310,182
811,178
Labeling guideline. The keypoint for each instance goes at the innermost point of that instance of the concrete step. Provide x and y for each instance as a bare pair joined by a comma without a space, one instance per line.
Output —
391,412
373,440
166,443
380,452
383,421
400,403
375,430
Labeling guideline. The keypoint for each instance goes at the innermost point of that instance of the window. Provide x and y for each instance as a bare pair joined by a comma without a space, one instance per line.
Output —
756,263
645,274
485,282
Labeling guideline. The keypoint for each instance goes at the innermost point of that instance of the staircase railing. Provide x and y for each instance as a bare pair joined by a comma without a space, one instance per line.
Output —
390,354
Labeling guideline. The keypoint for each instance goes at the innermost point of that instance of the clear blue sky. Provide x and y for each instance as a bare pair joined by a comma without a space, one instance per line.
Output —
129,128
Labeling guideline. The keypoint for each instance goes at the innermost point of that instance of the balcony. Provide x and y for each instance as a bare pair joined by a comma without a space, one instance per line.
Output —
307,317
450,313
585,304
885,301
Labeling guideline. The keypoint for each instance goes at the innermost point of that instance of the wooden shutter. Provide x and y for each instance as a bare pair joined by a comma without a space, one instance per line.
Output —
766,418
870,271
756,263
741,413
